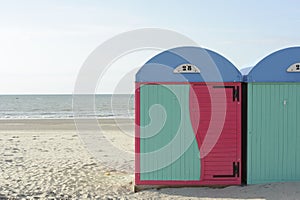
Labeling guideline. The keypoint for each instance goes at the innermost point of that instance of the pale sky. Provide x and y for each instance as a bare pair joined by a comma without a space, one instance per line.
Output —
43,43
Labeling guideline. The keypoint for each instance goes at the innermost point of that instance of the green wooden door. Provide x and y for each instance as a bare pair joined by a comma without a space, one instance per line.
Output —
273,132
168,146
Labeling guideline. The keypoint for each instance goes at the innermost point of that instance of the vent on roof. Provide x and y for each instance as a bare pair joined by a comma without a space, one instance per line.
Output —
187,68
294,68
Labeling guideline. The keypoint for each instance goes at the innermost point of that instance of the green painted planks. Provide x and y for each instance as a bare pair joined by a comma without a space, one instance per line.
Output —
273,132
168,146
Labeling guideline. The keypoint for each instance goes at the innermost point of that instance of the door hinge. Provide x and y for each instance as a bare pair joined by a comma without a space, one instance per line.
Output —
235,172
235,91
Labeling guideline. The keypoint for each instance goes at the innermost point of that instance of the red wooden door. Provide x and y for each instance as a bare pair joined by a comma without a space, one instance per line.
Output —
216,118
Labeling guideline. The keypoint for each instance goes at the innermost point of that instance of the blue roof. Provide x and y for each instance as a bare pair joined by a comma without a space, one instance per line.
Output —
273,68
213,67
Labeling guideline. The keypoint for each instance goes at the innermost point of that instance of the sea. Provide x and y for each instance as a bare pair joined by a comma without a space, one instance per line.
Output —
61,106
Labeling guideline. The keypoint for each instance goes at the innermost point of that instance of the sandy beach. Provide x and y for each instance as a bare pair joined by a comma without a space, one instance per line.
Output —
48,159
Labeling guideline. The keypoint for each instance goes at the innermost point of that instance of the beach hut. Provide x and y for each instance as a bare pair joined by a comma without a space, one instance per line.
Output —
188,120
273,132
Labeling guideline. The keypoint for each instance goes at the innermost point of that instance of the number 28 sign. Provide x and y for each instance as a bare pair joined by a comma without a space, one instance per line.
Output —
186,68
